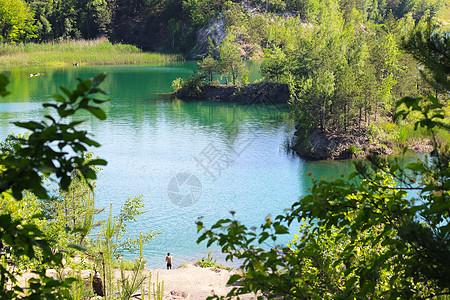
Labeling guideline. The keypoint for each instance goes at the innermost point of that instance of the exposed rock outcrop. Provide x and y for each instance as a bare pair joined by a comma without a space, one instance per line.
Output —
215,30
322,145
264,93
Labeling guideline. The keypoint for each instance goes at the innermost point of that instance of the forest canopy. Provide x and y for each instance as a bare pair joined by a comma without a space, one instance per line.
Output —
158,24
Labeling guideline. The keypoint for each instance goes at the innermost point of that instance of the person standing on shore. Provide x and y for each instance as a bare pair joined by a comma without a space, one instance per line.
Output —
169,261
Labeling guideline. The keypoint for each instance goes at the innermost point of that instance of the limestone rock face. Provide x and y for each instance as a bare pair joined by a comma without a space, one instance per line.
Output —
215,30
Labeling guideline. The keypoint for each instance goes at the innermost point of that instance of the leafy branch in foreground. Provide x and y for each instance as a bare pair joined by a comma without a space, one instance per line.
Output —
49,147
431,50
54,149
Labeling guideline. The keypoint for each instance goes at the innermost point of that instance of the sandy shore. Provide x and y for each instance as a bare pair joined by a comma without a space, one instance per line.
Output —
198,283
185,282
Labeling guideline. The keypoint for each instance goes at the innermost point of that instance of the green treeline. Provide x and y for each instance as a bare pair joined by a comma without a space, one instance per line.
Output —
167,24
346,66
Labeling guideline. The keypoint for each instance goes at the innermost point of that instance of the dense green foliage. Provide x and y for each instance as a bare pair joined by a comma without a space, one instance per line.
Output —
210,261
172,24
381,232
346,65
228,65
16,21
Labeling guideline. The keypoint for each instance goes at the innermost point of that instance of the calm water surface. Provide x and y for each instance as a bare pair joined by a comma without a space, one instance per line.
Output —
233,153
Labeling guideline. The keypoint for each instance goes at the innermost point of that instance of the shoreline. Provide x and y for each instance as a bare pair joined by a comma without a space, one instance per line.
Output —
311,144
323,145
266,93
185,282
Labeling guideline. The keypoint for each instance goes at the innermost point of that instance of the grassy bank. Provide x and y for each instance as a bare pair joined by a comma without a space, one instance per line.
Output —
95,52
403,133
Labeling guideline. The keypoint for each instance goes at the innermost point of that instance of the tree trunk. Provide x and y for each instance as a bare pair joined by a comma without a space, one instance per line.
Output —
345,117
323,113
360,117
376,110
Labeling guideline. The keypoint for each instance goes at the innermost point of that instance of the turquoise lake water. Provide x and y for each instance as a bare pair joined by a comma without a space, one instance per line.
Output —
187,159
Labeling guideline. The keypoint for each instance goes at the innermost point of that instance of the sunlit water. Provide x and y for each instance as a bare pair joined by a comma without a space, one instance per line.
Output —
233,153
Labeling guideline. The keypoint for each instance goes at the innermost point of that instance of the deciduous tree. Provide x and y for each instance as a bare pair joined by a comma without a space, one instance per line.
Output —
16,21
230,59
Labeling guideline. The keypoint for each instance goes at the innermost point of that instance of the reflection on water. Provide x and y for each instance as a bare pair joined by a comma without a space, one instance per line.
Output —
235,151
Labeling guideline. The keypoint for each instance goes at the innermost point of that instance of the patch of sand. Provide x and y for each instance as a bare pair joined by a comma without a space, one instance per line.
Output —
198,282
186,282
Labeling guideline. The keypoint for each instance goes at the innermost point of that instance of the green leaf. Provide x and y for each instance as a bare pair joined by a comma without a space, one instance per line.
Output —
83,86
31,125
97,162
98,79
280,229
70,280
59,98
66,92
415,167
90,142
233,279
96,111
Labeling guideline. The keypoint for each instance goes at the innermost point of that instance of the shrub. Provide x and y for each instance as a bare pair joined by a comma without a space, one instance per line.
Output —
177,84
192,86
210,261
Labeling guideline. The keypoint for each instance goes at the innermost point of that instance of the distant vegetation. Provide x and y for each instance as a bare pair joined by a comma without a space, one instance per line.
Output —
172,24
210,261
92,52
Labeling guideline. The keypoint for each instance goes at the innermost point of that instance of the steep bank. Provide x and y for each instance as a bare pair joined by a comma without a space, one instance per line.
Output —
262,93
323,145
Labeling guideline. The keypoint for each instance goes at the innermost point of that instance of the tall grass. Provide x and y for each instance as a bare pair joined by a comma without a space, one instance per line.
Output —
404,134
92,52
